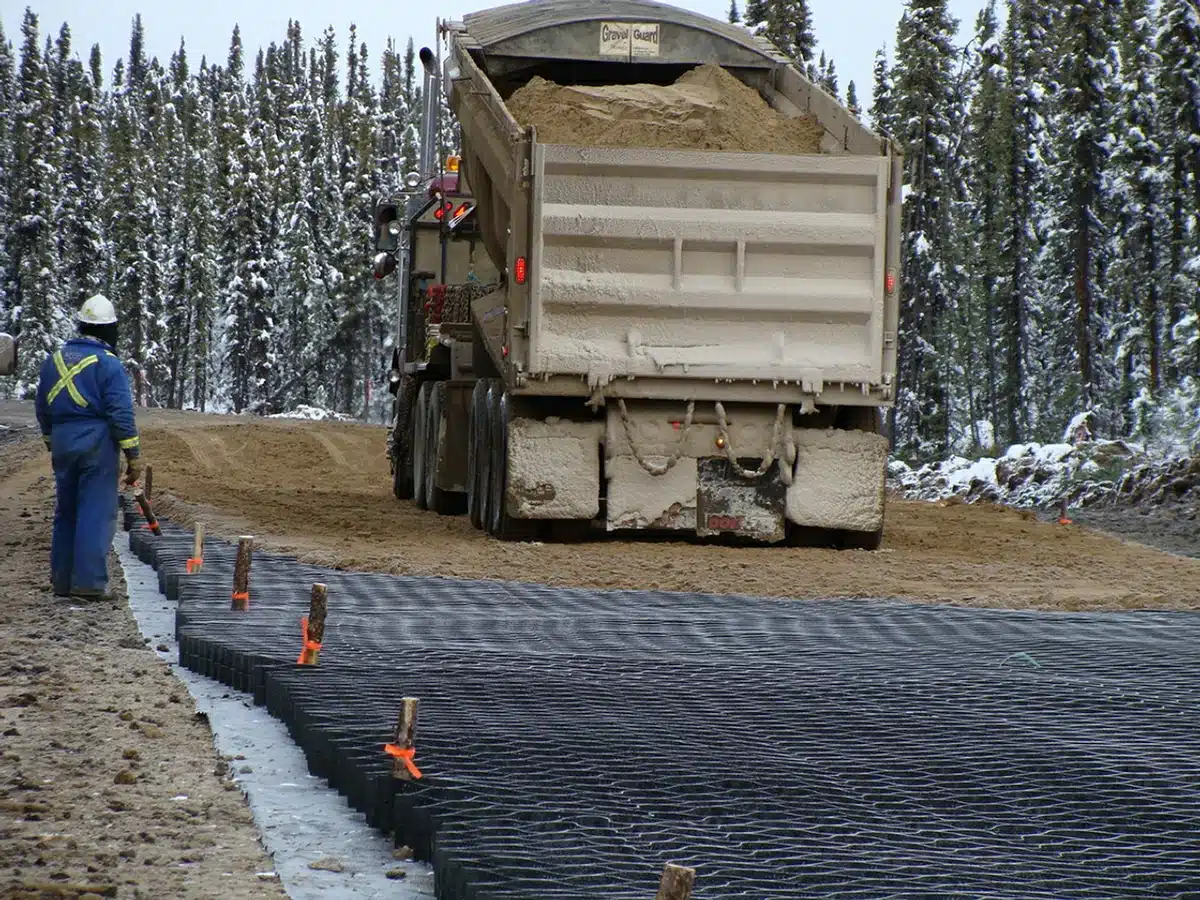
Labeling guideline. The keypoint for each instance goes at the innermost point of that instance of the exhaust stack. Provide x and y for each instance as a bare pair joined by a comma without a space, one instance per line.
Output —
431,113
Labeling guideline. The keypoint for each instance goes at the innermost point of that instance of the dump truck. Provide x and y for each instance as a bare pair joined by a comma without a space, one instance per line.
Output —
599,336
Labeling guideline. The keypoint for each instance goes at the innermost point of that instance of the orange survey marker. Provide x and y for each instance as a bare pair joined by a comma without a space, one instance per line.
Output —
194,565
1062,512
405,755
308,656
241,600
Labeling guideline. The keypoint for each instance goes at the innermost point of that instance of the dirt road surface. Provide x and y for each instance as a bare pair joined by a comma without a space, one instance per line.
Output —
109,784
323,490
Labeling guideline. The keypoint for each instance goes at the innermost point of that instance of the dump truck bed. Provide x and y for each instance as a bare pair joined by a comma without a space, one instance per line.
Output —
651,271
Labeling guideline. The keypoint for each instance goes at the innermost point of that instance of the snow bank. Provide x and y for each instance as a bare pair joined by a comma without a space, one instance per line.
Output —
312,413
1041,475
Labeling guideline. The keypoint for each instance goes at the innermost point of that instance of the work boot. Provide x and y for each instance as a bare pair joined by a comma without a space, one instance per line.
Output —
89,594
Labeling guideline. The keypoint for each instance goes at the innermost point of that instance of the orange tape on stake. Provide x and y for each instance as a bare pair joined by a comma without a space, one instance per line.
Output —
194,565
308,656
405,754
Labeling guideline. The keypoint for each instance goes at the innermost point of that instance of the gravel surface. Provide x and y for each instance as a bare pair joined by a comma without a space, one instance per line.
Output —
109,782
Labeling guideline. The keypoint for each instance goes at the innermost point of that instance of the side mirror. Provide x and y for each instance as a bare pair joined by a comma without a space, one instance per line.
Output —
8,354
388,227
384,265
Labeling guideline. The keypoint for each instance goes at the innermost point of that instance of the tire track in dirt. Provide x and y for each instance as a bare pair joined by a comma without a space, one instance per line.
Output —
335,452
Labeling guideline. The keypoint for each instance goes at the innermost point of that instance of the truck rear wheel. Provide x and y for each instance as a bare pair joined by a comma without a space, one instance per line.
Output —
500,524
420,445
402,439
476,455
442,502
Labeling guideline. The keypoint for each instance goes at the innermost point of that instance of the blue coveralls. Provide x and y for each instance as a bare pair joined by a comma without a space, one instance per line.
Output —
85,410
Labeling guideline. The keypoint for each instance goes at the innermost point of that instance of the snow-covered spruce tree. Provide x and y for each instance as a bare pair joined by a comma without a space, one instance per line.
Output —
1024,384
8,103
240,231
852,99
38,314
981,222
924,109
1072,341
133,222
409,147
788,25
827,75
80,215
1137,217
249,290
882,111
202,262
1179,101
178,131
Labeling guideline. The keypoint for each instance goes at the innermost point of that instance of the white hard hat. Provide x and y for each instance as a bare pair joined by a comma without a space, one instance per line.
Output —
97,310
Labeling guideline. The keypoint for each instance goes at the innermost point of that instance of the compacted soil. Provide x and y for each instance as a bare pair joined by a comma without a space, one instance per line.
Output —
323,490
109,782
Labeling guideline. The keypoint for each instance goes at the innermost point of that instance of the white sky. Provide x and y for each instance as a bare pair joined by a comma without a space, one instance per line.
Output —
849,30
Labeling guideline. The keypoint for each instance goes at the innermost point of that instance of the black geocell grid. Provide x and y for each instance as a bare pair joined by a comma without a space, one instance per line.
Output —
573,741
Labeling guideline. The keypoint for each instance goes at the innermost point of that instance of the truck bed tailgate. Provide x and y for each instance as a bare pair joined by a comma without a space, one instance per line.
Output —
726,265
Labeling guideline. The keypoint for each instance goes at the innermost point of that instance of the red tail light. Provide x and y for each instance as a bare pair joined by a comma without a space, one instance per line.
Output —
520,270
890,282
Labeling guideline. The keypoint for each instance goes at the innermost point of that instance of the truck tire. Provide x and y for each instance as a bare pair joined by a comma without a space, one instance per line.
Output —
402,439
483,456
476,453
420,445
442,502
500,524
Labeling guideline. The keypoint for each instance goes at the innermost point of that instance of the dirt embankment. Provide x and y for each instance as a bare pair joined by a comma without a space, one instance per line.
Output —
109,783
323,490
707,108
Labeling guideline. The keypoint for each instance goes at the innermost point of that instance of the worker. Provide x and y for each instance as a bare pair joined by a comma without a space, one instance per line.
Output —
85,410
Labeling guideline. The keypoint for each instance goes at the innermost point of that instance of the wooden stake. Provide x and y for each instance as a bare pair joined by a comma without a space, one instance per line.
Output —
406,727
314,626
144,503
148,479
241,574
197,561
676,883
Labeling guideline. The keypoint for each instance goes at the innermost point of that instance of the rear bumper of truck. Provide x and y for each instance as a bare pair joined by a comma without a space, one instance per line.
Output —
650,471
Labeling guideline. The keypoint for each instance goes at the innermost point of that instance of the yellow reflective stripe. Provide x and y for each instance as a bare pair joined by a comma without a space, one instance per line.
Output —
67,378
129,443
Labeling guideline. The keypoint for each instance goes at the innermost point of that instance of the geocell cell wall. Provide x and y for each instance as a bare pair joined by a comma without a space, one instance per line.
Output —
574,741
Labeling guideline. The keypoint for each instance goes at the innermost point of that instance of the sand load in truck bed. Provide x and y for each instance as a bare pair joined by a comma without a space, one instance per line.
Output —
706,109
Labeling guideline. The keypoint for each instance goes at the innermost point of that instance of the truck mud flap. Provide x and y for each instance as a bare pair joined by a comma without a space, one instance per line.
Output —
727,503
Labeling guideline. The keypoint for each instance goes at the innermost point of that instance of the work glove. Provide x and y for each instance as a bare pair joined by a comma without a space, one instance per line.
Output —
133,470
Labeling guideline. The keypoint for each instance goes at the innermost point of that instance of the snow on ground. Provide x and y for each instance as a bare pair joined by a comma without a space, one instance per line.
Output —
312,413
1087,473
